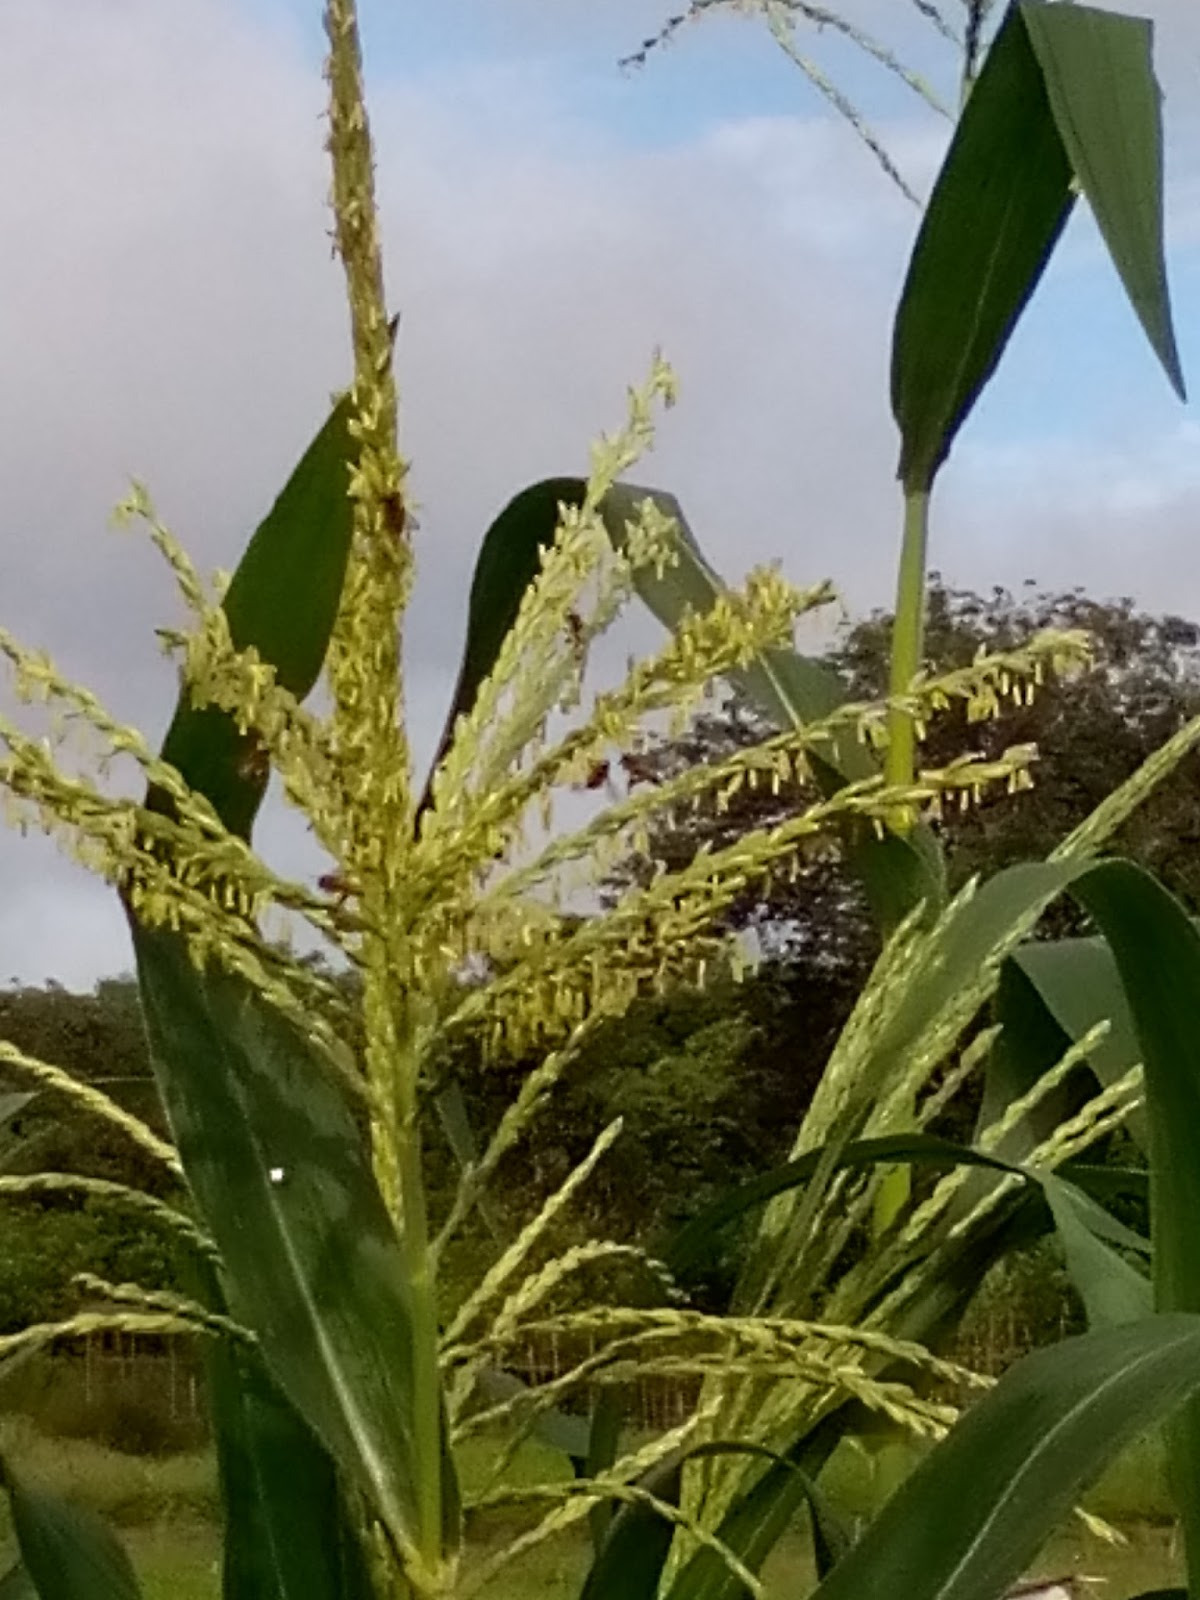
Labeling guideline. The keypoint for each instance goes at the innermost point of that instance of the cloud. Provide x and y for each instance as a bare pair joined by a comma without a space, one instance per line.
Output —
168,308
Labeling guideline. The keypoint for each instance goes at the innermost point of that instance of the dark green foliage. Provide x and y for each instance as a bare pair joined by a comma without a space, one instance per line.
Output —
66,1550
46,1242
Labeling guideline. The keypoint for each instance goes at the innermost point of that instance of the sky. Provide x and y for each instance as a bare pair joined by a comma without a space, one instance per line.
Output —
169,310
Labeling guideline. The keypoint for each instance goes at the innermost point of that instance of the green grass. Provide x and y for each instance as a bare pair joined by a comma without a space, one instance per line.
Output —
167,1509
181,1563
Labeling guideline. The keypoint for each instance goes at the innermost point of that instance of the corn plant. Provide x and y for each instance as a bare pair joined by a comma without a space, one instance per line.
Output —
341,1382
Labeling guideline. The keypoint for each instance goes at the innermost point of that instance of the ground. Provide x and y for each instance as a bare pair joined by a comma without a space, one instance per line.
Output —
166,1513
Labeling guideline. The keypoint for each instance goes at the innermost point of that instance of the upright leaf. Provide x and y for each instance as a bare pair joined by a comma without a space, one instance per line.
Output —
283,600
280,1172
976,1511
1099,75
630,1561
287,1535
508,561
1157,951
66,1551
999,205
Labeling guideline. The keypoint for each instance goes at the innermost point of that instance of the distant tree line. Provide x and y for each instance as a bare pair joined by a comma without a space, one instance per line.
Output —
711,1085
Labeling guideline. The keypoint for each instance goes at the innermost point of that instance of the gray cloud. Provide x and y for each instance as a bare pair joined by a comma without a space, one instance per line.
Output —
168,308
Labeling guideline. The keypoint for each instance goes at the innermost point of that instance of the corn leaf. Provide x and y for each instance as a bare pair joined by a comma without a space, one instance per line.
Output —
283,1181
997,209
1113,1291
283,600
16,1584
694,1240
66,1551
1157,950
976,1511
758,1519
1079,985
508,561
630,1561
1098,70
790,690
287,1532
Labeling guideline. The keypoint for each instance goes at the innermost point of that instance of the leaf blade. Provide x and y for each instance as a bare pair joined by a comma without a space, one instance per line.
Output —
1099,77
279,1171
977,1509
282,600
997,210
67,1551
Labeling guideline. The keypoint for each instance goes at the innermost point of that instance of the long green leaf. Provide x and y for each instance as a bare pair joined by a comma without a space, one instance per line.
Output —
976,1511
996,212
66,1550
759,1518
630,1561
965,940
283,600
1113,1291
1099,75
790,690
280,1172
1157,951
508,561
1079,985
287,1533
696,1238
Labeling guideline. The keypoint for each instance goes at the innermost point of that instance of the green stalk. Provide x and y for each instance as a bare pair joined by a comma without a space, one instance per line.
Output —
426,1377
908,638
908,642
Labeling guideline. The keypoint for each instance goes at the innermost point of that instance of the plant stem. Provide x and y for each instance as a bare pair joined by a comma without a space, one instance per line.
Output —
908,637
426,1379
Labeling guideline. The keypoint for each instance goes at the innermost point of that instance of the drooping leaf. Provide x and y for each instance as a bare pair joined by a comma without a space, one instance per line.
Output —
997,209
67,1551
965,939
790,690
279,1169
1031,1042
1078,983
631,1559
1099,75
1157,950
978,1508
1113,1291
759,1518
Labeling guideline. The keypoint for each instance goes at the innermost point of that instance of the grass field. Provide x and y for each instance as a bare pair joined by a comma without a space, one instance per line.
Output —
166,1510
